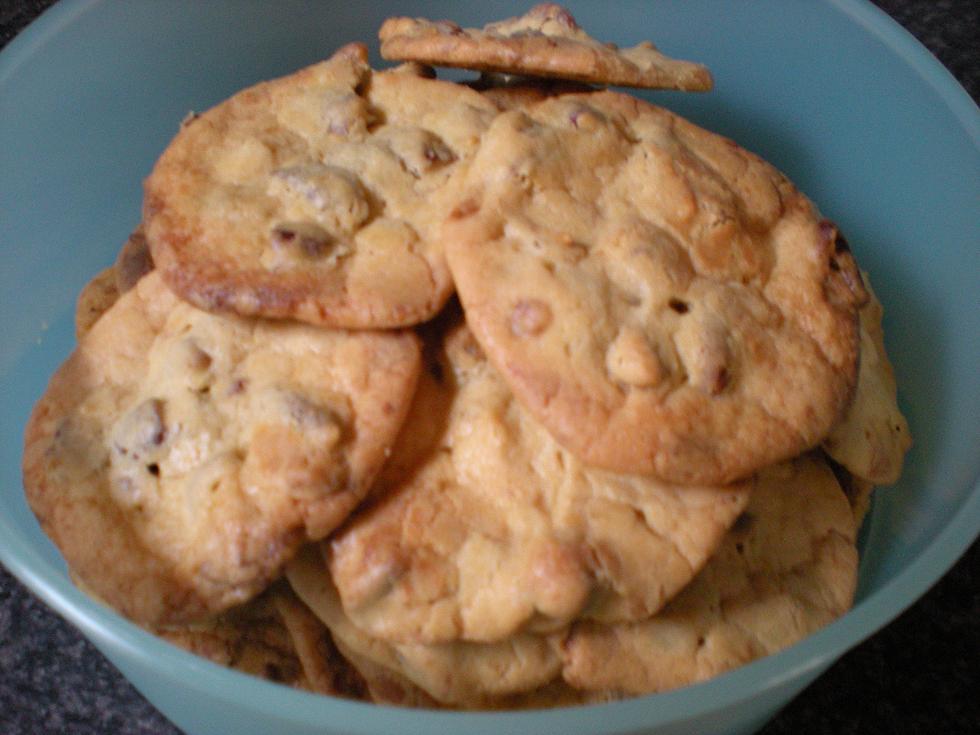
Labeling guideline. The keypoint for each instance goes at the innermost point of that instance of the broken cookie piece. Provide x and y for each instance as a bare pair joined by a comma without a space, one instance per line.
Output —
544,42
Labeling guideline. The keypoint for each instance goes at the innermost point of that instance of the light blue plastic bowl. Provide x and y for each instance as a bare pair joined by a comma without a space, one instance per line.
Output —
859,115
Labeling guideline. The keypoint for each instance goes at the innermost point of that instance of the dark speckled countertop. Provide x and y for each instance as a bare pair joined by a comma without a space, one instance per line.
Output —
920,674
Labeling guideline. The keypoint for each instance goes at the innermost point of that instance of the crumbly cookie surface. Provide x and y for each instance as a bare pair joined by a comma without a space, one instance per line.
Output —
489,528
787,568
662,300
201,450
313,196
546,41
873,436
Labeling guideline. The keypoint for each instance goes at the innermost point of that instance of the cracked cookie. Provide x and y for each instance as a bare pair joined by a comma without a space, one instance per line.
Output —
663,301
488,527
315,196
785,570
201,450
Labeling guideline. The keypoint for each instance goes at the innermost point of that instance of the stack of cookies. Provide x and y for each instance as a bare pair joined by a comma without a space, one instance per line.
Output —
511,393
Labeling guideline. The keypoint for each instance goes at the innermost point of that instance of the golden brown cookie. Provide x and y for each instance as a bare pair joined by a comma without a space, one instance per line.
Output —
787,568
465,675
660,299
546,41
314,196
94,300
873,436
201,450
133,261
489,528
387,686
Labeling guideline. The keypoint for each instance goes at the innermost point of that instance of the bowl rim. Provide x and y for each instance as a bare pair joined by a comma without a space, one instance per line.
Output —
112,633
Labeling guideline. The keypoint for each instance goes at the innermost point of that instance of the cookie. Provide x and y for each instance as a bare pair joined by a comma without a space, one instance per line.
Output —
464,675
201,450
663,301
547,42
94,300
873,436
787,568
857,490
325,670
250,638
386,686
489,528
517,92
314,196
133,261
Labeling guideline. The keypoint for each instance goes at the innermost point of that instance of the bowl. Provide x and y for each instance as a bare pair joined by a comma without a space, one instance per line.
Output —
859,115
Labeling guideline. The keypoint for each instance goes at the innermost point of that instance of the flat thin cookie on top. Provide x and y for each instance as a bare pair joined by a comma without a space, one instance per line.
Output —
546,41
488,528
313,196
200,450
660,299
787,568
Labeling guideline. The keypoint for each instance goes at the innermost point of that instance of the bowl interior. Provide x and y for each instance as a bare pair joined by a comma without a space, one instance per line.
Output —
862,119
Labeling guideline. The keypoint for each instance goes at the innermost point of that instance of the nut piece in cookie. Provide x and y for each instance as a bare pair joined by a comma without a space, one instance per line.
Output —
483,527
315,196
661,300
201,450
787,568
546,42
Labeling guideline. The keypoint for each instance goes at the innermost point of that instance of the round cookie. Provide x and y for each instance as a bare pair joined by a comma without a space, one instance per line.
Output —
786,569
314,196
485,527
661,300
547,42
201,450
873,436
465,675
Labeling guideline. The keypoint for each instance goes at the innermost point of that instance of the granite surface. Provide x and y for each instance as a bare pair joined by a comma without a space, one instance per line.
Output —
919,675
